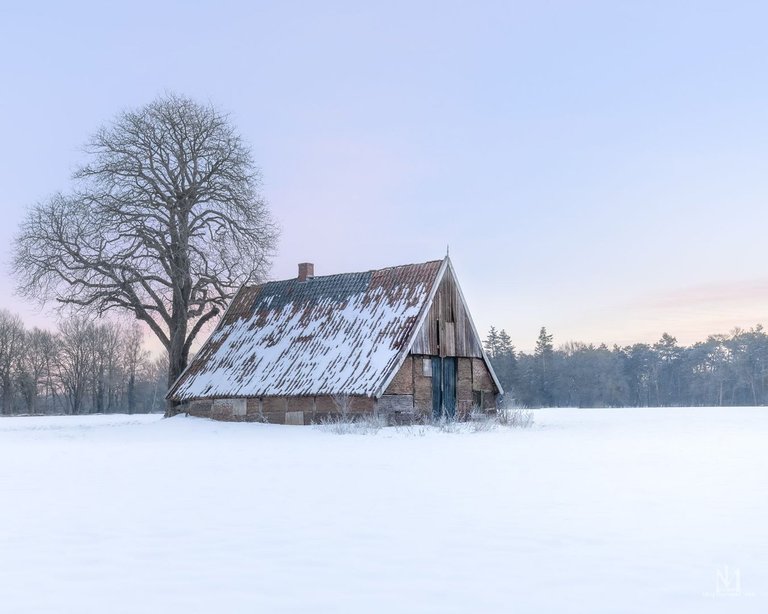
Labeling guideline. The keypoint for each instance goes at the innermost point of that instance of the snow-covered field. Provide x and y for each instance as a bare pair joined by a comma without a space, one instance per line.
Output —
588,511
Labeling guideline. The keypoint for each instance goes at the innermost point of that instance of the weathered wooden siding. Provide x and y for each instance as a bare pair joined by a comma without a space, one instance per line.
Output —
447,330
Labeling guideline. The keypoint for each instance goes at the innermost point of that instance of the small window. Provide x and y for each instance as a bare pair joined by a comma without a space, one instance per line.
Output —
426,367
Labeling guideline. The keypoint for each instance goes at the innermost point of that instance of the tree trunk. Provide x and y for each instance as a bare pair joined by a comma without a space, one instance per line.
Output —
177,361
720,395
174,370
7,397
131,393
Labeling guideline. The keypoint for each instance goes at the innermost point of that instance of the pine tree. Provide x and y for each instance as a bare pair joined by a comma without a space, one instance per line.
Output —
507,364
491,343
505,344
544,348
544,354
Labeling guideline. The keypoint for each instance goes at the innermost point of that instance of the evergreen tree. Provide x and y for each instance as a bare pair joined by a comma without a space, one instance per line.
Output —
505,344
723,370
669,363
506,363
544,355
544,348
491,343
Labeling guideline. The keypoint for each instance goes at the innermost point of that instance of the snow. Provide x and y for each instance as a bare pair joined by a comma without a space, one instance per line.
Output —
588,511
341,353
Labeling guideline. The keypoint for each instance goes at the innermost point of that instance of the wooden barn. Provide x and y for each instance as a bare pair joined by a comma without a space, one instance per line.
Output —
398,342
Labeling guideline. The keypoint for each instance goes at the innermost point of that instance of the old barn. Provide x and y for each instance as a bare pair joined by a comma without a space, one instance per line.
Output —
398,342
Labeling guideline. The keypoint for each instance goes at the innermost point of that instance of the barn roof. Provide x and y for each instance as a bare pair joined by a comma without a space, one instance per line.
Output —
325,335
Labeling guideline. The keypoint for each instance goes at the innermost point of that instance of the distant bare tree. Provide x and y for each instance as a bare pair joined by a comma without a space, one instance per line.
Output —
133,357
76,339
39,363
156,371
11,348
166,222
105,342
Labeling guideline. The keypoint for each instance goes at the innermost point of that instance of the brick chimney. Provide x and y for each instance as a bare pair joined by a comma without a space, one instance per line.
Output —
306,271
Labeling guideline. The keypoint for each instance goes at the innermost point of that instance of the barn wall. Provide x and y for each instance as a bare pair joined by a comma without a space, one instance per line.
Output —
403,380
392,404
200,408
464,398
483,387
397,402
273,409
278,410
474,385
409,395
481,377
422,384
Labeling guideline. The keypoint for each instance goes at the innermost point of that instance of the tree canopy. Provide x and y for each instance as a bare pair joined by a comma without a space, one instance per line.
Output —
165,220
722,370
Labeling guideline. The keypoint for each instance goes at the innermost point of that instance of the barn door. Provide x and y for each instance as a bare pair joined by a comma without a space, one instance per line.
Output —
449,387
443,387
437,387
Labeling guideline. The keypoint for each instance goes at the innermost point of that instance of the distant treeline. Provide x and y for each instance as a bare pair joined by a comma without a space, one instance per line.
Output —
84,367
723,370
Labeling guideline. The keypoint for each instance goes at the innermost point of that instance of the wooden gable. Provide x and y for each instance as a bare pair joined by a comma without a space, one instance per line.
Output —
448,330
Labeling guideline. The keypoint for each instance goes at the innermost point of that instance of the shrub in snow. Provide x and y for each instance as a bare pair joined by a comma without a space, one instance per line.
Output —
447,424
343,404
345,424
514,417
477,420
481,421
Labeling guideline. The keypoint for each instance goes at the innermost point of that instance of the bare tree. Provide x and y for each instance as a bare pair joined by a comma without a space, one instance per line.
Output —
38,366
156,371
11,351
133,357
166,222
105,342
75,335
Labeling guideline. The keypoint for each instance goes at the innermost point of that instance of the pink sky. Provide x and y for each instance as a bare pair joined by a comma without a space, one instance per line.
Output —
597,170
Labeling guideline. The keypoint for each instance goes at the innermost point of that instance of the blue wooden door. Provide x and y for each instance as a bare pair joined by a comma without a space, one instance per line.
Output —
437,387
449,387
443,387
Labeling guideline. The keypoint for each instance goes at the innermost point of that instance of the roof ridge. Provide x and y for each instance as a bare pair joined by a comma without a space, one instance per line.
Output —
387,268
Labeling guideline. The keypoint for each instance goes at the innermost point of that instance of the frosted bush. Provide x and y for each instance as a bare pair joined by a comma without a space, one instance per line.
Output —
515,417
345,424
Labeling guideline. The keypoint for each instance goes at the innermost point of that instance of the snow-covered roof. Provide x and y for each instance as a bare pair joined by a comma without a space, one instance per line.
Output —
326,335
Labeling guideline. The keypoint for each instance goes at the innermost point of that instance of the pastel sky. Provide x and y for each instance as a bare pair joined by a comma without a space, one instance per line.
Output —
600,168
